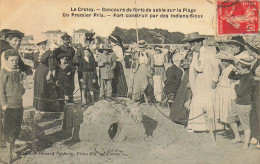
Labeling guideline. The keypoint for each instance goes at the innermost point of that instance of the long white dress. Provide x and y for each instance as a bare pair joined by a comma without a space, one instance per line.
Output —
206,70
225,93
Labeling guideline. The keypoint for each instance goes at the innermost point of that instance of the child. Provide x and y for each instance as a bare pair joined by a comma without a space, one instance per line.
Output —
159,72
63,75
225,92
242,106
107,64
11,91
87,65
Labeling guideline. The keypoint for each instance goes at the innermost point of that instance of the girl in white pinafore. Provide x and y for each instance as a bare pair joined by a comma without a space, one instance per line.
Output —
225,92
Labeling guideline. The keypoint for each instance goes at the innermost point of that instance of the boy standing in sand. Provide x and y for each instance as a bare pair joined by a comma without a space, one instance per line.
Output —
242,106
11,91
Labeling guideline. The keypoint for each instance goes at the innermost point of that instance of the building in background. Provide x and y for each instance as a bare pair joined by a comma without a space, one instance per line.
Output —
79,36
54,36
209,39
27,43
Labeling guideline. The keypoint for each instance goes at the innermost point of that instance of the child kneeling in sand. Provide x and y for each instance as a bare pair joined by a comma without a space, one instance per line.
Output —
11,91
242,106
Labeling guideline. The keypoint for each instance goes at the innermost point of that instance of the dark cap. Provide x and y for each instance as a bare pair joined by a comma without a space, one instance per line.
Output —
65,37
3,32
11,52
14,33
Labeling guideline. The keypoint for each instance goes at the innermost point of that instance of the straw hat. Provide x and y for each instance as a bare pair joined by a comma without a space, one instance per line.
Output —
142,44
237,41
192,37
158,47
114,39
224,55
105,48
44,42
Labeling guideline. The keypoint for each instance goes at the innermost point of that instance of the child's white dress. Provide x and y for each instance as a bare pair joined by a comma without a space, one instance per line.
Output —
225,93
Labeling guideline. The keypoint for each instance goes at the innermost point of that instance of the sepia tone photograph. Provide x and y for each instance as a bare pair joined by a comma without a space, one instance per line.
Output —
129,81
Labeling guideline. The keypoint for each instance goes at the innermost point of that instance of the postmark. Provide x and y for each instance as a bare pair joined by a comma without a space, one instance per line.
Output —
237,17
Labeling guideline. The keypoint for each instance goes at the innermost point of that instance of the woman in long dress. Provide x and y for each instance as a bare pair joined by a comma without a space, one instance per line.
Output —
144,64
119,84
206,71
44,94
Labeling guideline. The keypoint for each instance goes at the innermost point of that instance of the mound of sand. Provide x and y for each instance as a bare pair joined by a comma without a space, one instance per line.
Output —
107,120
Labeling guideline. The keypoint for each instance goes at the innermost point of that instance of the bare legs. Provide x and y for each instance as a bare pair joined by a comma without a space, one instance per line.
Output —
237,136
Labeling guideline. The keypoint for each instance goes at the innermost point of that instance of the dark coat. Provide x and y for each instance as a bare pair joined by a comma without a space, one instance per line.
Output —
44,93
174,76
70,52
63,78
83,65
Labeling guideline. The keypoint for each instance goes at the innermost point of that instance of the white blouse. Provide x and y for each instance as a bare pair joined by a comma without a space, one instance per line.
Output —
158,59
143,59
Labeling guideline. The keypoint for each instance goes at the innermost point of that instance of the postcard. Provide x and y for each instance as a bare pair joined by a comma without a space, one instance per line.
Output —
129,81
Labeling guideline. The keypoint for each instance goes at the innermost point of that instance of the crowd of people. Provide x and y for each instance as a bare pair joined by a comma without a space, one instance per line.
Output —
205,87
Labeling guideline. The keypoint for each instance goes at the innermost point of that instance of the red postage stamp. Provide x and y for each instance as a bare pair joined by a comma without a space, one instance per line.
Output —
237,17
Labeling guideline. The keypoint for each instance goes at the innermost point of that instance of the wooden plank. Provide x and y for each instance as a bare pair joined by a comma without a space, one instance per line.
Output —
33,120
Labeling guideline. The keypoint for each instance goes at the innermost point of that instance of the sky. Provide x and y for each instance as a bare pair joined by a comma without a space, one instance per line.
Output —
36,16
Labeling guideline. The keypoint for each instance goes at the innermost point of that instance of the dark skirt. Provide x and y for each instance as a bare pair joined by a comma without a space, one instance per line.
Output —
71,85
255,113
119,85
45,98
88,85
128,61
95,86
178,112
12,123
